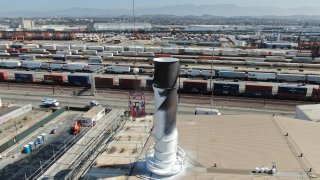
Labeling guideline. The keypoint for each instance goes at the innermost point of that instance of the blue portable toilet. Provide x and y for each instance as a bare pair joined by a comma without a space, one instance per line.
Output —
43,135
26,149
32,146
39,139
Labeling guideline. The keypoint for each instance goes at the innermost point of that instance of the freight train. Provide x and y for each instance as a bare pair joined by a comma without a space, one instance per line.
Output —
141,51
284,91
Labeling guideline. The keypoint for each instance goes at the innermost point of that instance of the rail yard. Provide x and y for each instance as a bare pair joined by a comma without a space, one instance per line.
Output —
107,100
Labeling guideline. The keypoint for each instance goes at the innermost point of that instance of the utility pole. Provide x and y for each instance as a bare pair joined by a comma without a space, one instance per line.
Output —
211,86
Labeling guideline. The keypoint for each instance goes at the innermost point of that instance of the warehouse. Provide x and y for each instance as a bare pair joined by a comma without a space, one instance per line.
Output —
92,116
121,26
308,112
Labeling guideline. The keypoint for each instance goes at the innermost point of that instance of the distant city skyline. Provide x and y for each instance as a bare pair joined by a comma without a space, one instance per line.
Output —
47,5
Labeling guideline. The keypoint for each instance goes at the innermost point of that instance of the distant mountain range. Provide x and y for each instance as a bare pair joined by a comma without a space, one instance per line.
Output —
227,10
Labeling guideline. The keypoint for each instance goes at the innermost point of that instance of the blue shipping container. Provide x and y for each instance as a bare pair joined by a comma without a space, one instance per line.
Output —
17,46
59,58
79,80
226,88
24,77
292,90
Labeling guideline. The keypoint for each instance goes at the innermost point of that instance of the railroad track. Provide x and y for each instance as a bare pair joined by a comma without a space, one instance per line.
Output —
183,98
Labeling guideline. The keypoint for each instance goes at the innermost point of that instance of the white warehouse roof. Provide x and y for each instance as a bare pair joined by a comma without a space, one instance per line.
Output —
308,112
121,26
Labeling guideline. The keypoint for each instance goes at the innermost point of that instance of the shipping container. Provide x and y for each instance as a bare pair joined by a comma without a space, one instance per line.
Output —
90,52
129,53
4,46
146,54
194,86
291,77
4,76
194,72
62,47
51,66
97,48
105,55
136,49
315,94
313,79
114,48
162,55
225,88
24,50
262,76
49,47
38,50
230,52
64,53
193,51
130,83
94,68
32,46
104,82
258,90
78,47
115,53
79,80
27,57
10,63
58,79
24,77
302,59
17,46
292,92
31,64
168,50
232,74
275,59
73,66
118,69
153,49
95,59
59,57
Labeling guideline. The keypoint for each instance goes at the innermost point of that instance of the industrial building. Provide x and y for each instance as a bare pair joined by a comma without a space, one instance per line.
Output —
92,116
25,24
308,112
121,26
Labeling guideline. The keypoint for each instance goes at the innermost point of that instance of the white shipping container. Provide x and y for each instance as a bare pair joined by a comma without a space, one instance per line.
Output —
78,47
73,67
49,47
10,63
62,47
313,78
51,66
31,64
168,50
146,54
277,53
64,53
129,53
90,52
207,111
5,54
254,59
4,46
114,48
93,68
32,46
97,48
95,59
156,50
275,58
118,69
136,49
113,52
262,76
105,54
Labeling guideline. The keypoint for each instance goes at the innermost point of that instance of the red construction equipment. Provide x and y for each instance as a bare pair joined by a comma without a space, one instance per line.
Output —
76,128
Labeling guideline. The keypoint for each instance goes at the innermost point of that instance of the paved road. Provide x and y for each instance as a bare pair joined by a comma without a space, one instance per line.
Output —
122,102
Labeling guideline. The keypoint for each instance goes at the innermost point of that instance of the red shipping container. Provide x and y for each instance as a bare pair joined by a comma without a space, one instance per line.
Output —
162,55
195,86
315,94
58,79
104,82
24,50
130,83
4,76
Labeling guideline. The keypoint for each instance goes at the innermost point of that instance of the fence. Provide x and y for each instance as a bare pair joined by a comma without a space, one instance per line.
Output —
15,113
33,128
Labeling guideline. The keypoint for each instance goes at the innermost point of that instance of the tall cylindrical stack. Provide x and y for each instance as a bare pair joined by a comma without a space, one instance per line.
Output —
164,158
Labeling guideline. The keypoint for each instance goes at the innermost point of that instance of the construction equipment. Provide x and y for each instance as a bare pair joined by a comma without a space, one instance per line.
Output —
76,128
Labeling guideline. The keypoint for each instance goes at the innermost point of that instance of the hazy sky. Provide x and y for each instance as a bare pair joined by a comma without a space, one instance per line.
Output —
44,5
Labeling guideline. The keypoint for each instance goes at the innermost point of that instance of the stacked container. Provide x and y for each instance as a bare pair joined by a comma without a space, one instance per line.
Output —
193,86
104,82
226,88
24,77
258,90
4,76
292,92
54,78
79,80
130,83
